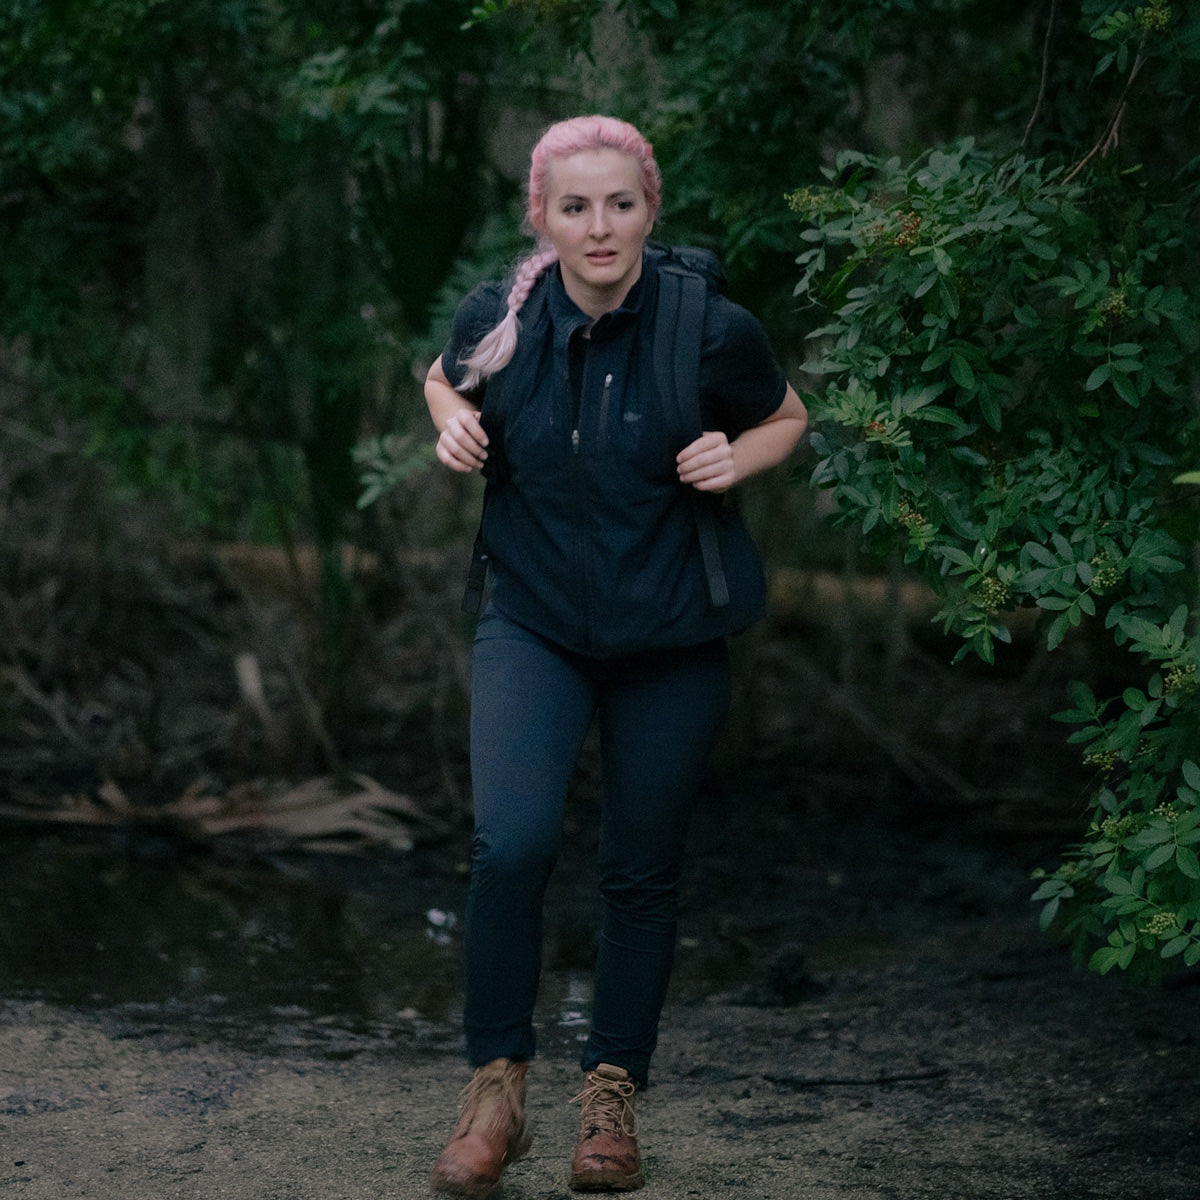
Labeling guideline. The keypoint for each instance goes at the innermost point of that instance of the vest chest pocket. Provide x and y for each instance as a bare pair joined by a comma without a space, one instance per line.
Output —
642,436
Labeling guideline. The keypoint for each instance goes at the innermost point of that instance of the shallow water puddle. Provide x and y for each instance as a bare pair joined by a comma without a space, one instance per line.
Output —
342,950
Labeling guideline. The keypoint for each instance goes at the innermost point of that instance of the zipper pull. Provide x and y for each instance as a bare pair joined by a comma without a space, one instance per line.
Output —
575,441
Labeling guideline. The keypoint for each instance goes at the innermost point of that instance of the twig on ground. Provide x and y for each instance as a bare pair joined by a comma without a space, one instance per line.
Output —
797,1083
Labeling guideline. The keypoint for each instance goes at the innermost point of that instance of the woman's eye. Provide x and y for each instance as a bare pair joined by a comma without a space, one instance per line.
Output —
572,209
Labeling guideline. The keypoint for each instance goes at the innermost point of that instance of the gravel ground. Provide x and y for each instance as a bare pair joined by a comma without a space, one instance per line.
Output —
927,1041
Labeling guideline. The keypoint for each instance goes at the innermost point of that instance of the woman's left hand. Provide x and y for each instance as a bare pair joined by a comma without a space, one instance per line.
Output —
707,464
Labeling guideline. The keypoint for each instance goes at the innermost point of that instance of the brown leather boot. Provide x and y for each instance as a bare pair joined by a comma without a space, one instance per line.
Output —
607,1158
490,1132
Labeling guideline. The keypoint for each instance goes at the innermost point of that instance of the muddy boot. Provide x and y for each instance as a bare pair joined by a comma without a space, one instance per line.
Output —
607,1158
490,1132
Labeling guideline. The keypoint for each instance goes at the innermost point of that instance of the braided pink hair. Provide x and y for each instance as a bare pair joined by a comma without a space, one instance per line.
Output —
561,140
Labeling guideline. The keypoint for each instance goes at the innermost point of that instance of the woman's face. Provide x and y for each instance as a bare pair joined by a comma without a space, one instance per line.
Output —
597,219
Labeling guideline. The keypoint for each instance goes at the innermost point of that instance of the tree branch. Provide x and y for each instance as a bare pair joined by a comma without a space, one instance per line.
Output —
1037,108
1111,135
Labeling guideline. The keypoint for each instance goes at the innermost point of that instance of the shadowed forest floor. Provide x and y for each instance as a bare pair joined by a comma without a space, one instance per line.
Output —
861,1009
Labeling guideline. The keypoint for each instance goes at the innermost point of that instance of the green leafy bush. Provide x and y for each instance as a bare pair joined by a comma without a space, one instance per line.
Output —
1009,356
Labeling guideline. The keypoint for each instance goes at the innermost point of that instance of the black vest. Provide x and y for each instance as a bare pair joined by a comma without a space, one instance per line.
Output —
590,536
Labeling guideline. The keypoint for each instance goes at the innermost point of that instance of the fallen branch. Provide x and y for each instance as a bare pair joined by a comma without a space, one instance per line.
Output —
25,687
324,814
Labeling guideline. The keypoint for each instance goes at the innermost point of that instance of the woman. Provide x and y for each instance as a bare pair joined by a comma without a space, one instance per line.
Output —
598,609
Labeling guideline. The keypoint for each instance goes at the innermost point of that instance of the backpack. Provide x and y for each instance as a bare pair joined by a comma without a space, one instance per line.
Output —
686,275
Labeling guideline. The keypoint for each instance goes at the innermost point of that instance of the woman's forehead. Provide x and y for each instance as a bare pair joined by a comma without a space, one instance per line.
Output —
593,172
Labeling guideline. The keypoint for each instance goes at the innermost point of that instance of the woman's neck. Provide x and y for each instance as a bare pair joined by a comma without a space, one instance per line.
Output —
596,301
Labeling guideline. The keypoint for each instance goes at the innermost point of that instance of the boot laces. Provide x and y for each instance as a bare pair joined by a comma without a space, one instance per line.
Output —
608,1104
490,1092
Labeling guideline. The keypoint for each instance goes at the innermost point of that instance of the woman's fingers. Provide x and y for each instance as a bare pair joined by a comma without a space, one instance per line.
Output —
707,463
462,445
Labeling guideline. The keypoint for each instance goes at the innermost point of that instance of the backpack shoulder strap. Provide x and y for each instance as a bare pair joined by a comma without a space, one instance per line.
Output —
678,327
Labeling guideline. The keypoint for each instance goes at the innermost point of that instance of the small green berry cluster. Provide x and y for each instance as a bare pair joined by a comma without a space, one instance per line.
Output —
1117,829
804,201
992,594
910,228
1181,681
910,518
1105,573
1112,310
1159,924
1154,17
1104,759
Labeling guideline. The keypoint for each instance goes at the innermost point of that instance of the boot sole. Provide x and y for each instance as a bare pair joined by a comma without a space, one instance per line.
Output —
464,1188
592,1182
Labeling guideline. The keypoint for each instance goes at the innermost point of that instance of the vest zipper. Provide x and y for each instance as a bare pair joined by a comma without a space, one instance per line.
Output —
604,396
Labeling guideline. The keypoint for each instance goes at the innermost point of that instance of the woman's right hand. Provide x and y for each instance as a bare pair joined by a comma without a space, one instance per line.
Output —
462,444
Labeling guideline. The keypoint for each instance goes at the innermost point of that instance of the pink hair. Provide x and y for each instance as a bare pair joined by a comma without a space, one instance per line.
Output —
561,140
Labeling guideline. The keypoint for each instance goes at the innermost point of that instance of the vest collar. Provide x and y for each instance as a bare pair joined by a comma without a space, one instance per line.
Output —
567,316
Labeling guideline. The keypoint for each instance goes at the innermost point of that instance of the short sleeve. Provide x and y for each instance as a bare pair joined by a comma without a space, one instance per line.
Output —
741,381
478,313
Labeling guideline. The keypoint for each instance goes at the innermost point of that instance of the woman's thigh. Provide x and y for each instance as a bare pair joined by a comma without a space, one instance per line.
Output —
657,731
530,712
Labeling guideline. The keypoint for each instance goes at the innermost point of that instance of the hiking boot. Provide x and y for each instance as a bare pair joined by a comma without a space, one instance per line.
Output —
490,1132
607,1158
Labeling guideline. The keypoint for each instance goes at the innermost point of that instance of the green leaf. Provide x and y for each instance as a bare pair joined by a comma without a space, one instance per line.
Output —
961,372
1040,249
926,285
1104,959
1187,862
1160,855
1052,887
1057,631
1041,554
1126,390
1177,945
1098,377
1155,834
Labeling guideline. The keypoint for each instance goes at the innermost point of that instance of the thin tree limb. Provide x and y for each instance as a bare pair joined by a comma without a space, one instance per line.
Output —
1037,108
1111,135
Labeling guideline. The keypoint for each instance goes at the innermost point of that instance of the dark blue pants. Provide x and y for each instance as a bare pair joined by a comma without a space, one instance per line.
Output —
531,706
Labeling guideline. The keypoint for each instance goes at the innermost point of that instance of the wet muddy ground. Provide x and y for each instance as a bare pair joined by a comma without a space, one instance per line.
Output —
863,1007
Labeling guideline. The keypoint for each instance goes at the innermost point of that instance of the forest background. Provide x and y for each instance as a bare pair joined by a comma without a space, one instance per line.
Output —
233,234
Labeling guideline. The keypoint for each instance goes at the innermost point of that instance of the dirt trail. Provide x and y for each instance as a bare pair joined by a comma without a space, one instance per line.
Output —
927,1041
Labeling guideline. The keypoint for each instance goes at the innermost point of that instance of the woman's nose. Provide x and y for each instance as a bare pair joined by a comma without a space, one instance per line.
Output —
599,224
